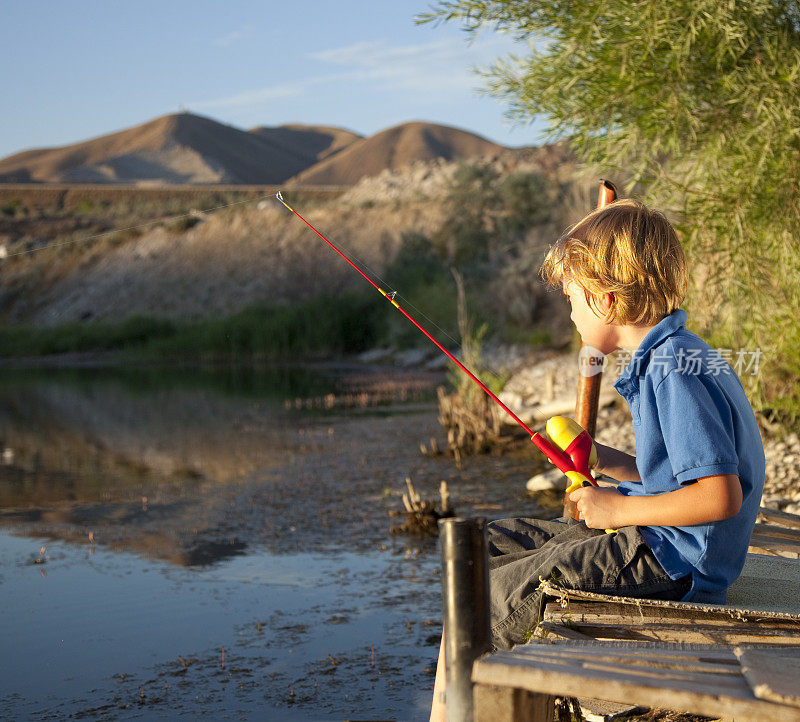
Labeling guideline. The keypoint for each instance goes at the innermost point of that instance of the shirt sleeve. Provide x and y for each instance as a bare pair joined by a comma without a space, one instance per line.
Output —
697,426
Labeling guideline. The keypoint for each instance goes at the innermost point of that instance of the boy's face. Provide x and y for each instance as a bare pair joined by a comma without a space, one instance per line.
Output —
591,326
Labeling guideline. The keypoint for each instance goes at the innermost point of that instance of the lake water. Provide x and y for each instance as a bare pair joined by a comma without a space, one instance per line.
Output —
186,542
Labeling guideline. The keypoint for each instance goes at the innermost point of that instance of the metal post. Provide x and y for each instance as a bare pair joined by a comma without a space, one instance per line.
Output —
465,604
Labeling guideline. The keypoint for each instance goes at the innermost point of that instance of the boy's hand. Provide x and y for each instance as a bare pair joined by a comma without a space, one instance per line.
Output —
598,506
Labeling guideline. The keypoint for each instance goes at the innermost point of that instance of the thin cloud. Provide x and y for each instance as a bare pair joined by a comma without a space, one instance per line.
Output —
439,64
250,97
443,66
376,53
225,40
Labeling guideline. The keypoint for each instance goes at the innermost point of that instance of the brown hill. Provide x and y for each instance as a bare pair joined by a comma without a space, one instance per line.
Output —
312,143
181,148
395,148
191,149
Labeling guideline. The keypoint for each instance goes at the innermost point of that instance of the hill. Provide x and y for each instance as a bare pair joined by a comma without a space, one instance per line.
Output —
395,148
186,263
190,149
180,148
312,143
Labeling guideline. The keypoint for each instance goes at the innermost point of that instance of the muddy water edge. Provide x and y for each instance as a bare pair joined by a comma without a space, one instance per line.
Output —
186,542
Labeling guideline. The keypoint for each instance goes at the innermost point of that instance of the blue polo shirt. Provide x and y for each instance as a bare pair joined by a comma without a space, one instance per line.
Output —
692,419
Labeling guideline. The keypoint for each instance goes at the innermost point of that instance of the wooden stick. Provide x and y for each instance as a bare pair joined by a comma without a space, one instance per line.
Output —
589,385
445,497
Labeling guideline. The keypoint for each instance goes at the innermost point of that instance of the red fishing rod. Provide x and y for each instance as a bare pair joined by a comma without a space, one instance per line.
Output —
562,460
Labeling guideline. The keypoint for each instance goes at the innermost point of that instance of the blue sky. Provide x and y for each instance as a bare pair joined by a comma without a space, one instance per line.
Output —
75,70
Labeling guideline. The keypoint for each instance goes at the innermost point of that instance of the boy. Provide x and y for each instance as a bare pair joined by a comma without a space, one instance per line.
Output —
687,502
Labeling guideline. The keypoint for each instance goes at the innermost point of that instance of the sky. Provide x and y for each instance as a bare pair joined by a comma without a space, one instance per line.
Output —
78,69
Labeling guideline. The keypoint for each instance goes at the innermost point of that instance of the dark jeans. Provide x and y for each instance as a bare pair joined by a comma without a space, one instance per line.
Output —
568,553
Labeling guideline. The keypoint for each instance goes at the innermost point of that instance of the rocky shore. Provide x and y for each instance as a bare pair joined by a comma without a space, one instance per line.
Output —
552,382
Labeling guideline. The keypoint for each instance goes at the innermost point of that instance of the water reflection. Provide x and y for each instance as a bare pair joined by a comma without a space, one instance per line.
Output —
153,460
95,427
245,520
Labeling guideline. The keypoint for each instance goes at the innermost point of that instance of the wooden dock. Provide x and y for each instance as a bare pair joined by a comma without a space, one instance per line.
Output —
735,661
713,680
740,660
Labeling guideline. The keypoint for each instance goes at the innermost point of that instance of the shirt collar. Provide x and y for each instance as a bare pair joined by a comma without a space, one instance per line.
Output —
661,331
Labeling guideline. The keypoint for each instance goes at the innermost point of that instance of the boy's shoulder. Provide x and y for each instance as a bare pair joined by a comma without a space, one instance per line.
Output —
683,352
673,349
671,352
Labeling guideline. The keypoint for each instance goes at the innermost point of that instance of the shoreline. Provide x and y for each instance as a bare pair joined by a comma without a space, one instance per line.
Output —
536,377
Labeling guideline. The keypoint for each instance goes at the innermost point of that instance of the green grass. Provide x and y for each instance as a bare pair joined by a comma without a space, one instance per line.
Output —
323,326
272,381
20,341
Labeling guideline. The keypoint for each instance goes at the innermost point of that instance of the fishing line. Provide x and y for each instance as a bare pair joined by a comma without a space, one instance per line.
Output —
397,294
164,219
347,254
391,298
571,453
353,259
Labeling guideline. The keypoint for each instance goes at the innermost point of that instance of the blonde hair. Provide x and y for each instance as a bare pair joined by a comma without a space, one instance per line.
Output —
628,250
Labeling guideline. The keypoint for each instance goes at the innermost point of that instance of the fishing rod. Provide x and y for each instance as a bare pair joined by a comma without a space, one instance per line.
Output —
567,447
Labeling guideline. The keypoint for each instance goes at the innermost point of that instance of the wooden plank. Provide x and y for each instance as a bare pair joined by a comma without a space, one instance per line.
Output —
714,631
768,544
644,613
615,685
609,710
667,651
774,530
767,583
649,657
576,607
557,675
492,703
681,633
783,518
622,654
559,630
693,662
660,607
615,613
710,652
772,675
723,680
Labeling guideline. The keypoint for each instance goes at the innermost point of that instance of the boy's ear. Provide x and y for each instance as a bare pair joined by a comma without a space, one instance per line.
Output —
605,302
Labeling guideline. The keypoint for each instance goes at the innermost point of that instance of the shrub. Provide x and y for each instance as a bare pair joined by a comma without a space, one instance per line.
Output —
181,224
696,103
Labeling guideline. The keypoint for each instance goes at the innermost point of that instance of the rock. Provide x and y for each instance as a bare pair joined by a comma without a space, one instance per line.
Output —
773,502
511,399
552,479
412,357
375,355
438,363
526,392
